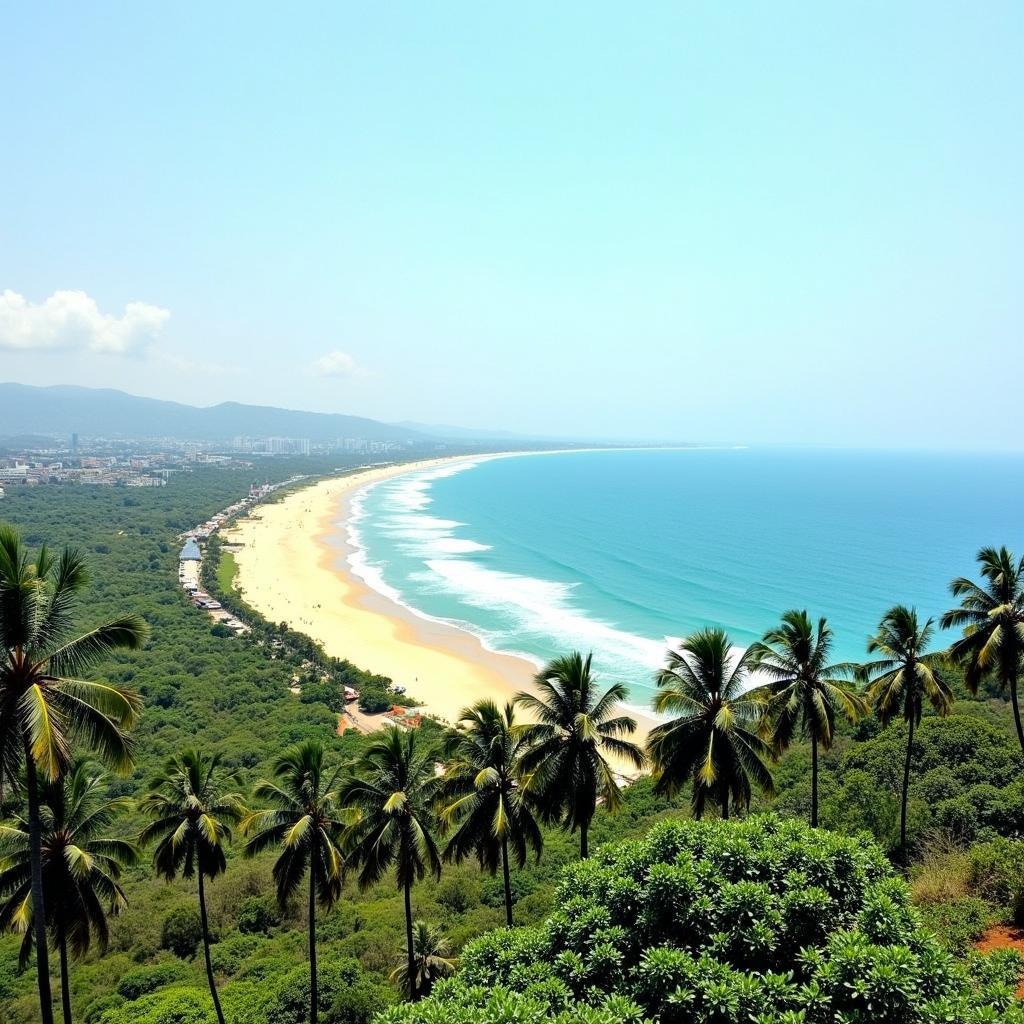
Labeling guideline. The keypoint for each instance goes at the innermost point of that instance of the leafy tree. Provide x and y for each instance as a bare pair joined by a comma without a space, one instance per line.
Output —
191,824
715,922
485,804
304,824
717,739
992,617
391,794
571,745
44,702
431,961
805,691
901,679
82,866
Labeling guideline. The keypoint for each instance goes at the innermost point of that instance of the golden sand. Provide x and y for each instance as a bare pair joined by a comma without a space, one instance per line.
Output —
292,568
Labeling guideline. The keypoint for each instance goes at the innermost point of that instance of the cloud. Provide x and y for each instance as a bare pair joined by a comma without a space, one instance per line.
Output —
72,320
337,364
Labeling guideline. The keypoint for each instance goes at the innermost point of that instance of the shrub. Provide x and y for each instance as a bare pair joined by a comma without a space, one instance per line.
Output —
258,914
764,921
182,932
144,980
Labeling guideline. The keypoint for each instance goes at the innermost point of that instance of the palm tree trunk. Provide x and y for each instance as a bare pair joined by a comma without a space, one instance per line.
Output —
206,948
585,840
725,806
1016,710
508,881
408,941
65,981
906,792
35,846
814,782
314,995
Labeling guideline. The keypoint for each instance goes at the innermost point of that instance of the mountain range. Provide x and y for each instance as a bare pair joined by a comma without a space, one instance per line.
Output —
101,412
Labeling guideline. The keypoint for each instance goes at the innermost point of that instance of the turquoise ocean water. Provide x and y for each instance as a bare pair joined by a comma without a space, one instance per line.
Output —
618,551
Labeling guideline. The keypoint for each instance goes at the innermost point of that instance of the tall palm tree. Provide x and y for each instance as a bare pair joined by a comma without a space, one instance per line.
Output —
902,679
571,745
431,961
717,741
304,823
44,703
484,802
192,811
805,691
992,616
390,797
82,866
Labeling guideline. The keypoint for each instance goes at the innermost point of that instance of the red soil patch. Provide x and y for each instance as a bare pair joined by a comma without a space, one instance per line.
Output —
1003,936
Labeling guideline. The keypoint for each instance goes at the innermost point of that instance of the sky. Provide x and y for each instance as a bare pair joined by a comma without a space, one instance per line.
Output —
744,223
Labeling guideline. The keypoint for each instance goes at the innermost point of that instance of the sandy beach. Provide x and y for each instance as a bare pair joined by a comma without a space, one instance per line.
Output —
292,568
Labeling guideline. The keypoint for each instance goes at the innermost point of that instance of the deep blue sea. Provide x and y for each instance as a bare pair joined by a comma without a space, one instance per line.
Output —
618,551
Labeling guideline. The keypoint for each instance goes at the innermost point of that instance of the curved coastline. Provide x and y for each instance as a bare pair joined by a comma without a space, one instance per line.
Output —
293,566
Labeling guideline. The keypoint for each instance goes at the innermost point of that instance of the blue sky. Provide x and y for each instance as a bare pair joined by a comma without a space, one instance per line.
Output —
744,222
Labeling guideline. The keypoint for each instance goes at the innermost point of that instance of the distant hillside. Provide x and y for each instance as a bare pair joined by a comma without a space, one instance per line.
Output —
94,412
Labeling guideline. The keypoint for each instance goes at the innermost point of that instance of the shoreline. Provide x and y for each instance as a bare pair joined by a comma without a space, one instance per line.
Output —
293,567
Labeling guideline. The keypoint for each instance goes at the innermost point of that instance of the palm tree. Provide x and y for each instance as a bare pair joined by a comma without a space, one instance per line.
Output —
901,679
81,867
430,961
304,823
805,691
389,796
717,739
485,803
992,616
192,816
44,702
570,746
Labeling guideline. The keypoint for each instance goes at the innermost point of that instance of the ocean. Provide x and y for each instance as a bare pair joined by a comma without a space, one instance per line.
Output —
619,552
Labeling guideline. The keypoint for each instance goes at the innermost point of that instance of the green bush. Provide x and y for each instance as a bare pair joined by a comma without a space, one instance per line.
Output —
762,921
182,932
144,980
258,914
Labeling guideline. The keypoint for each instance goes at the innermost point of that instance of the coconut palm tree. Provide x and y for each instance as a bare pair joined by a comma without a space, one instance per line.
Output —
45,705
717,741
304,823
390,797
804,690
902,679
571,745
430,960
483,801
192,810
992,616
82,866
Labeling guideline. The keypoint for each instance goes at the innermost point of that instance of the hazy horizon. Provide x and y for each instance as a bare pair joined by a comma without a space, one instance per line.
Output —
769,226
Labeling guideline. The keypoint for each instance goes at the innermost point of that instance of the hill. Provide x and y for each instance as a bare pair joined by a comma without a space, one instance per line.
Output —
102,412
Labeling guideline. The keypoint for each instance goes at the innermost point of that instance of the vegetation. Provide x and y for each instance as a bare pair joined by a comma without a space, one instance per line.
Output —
44,704
391,792
191,823
81,869
617,946
804,691
484,802
992,617
708,922
717,740
902,679
567,764
303,824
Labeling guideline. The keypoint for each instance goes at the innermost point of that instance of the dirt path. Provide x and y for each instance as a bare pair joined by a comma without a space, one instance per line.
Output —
1003,936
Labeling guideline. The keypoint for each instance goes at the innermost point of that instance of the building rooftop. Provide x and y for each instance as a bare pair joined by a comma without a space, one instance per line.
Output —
190,552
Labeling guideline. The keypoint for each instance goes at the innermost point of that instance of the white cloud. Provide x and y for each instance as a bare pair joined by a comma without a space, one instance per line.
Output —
71,319
337,364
